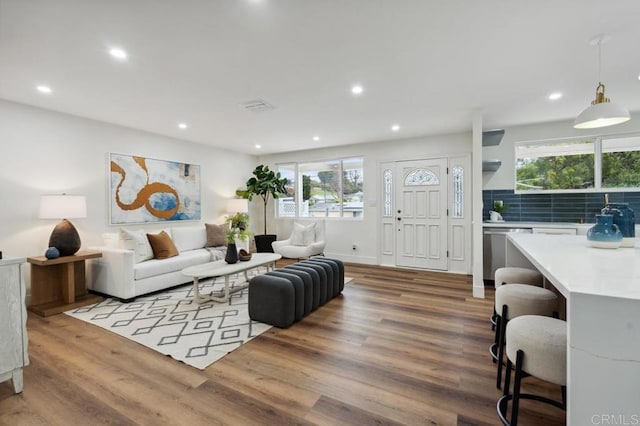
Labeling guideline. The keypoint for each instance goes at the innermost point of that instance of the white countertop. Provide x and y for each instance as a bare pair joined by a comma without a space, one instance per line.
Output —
574,267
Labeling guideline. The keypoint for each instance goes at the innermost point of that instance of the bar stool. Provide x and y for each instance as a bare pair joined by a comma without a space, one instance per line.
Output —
538,346
515,300
515,275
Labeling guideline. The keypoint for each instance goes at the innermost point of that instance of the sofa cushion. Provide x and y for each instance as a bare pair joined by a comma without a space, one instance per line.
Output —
162,245
303,235
138,242
215,235
154,267
189,237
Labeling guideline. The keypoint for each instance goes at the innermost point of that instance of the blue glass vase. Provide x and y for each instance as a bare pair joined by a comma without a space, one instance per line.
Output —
625,219
604,234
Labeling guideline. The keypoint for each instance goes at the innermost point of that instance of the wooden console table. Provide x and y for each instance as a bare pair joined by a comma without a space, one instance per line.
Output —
58,285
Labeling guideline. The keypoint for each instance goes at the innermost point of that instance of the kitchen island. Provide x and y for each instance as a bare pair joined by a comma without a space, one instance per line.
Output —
602,289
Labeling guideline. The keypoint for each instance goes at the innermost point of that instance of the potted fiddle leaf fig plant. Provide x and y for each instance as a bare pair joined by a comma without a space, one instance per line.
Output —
265,184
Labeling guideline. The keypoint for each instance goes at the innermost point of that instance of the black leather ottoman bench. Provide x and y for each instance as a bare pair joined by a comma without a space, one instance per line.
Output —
286,295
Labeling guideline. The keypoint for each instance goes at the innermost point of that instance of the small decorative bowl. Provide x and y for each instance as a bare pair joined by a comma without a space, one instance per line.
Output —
244,255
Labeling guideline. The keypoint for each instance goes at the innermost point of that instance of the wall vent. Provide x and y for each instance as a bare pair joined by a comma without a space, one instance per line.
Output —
257,105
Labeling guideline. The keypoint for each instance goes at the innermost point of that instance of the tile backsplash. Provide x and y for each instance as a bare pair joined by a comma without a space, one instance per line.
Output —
573,208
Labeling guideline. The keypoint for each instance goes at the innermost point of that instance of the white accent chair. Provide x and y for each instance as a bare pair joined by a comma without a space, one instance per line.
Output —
306,240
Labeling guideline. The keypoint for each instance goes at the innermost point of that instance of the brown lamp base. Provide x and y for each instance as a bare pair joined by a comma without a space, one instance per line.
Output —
65,238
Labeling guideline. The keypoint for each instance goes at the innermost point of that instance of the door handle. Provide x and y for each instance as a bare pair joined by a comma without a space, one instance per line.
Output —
399,219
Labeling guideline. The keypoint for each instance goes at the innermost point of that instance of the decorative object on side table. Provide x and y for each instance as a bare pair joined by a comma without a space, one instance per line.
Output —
265,183
604,234
65,237
625,219
52,253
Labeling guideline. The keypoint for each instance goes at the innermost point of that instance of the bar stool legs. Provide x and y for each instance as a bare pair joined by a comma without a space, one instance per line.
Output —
516,396
538,346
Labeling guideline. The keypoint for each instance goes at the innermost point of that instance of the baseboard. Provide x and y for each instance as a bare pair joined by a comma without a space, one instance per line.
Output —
366,260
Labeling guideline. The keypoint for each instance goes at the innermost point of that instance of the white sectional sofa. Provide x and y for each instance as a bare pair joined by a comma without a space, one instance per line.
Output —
126,273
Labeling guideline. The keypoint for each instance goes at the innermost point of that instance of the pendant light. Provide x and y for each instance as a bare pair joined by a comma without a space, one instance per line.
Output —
602,112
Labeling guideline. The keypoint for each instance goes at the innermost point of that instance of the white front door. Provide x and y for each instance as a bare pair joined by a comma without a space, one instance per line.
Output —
421,213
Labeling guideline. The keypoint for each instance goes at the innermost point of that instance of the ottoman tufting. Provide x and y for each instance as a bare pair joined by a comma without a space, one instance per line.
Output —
307,283
298,291
272,300
322,282
315,282
330,281
338,272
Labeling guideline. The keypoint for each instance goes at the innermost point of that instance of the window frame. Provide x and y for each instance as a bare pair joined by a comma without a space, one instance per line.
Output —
597,166
298,188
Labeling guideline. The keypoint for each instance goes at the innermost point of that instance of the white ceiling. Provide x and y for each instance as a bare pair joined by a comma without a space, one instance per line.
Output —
424,64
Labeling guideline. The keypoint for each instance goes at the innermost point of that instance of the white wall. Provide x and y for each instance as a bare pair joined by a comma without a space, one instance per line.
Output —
45,152
342,234
504,177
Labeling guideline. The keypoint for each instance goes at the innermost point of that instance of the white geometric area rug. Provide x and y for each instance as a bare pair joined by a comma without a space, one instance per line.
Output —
173,324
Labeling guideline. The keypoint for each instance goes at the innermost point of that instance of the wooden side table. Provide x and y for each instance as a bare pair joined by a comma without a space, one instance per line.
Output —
58,285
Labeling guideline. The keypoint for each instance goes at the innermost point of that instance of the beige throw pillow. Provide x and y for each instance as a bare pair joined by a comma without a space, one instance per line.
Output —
303,235
215,235
162,245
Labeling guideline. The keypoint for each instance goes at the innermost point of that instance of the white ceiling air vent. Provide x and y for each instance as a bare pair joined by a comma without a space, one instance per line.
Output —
257,105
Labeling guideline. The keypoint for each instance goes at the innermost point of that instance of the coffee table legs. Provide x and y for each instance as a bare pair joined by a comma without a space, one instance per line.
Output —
224,294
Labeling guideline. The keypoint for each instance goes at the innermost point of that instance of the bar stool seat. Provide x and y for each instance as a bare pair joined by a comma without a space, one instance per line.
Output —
538,346
515,300
515,275
512,275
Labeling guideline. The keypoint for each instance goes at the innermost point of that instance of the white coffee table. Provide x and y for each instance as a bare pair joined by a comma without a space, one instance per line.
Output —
220,268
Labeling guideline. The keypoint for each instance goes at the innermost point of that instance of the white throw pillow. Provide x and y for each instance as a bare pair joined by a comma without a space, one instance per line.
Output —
303,235
189,237
138,242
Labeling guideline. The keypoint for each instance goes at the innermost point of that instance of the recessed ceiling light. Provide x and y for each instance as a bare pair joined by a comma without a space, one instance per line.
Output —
357,89
118,53
555,96
316,138
638,76
258,146
182,125
43,89
395,127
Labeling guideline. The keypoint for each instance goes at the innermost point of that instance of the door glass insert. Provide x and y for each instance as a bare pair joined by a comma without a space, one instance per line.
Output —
388,193
458,176
421,177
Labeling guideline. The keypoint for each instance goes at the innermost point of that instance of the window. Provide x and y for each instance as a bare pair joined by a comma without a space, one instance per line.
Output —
598,163
287,203
330,188
621,162
555,165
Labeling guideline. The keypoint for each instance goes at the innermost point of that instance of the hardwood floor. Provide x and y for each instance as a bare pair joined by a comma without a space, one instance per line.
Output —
398,347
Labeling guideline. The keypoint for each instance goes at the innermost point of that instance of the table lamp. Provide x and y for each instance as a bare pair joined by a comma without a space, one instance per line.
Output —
238,205
64,236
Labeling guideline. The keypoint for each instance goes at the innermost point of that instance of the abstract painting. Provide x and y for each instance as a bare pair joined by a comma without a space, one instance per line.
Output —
146,190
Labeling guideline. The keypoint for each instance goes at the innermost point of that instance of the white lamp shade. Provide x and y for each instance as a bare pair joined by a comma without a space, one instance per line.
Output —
601,115
63,206
237,205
